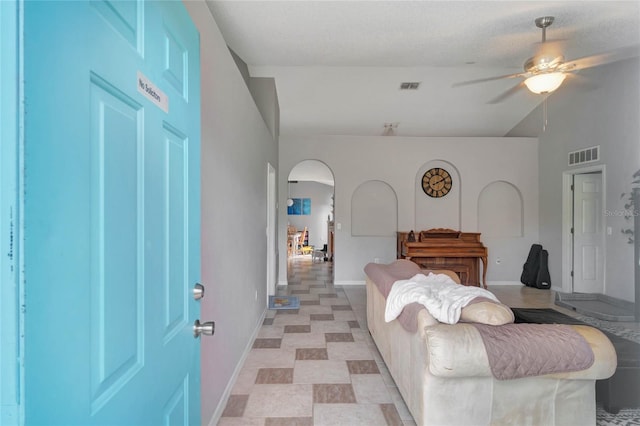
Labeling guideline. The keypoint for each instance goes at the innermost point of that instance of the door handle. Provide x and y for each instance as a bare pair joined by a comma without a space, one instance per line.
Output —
206,328
198,291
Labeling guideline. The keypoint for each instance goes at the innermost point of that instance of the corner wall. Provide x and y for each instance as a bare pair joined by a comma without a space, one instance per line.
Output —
236,147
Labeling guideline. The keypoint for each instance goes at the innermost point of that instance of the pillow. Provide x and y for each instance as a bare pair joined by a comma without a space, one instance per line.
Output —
485,311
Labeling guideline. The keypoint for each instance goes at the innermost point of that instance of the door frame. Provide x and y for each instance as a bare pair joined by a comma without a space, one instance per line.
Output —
11,223
567,224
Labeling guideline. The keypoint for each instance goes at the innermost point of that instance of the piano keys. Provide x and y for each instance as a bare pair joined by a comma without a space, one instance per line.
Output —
441,248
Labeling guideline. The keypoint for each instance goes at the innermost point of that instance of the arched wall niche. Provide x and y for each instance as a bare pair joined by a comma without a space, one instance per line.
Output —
441,212
501,210
374,210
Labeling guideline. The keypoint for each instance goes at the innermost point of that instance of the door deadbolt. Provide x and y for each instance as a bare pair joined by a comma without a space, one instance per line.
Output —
198,291
206,328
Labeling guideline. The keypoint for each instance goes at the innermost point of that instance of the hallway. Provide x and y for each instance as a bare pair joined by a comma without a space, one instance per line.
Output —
315,365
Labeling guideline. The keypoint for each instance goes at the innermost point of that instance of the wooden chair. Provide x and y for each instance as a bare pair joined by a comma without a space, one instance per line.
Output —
291,240
301,247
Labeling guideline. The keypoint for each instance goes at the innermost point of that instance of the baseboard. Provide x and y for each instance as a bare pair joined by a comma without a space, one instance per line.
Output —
348,282
516,283
215,418
496,283
345,282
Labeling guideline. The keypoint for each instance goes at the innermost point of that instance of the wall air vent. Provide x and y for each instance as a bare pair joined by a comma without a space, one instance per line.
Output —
582,156
410,85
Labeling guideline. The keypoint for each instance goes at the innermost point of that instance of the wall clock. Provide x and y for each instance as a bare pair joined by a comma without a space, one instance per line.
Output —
436,182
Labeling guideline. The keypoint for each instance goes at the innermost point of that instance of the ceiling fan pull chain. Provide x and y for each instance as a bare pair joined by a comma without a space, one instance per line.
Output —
544,114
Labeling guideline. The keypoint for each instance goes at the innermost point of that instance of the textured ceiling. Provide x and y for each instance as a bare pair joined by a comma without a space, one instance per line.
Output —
338,65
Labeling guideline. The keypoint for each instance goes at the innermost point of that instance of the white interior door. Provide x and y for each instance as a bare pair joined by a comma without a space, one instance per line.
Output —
588,233
272,256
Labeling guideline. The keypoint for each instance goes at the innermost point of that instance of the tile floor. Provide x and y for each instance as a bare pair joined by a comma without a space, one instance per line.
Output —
317,365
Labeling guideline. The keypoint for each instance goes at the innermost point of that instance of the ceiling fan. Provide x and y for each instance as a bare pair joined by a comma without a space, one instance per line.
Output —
547,69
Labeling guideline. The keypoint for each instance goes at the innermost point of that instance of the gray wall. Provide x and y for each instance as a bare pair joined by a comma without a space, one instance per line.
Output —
236,147
398,162
265,95
605,112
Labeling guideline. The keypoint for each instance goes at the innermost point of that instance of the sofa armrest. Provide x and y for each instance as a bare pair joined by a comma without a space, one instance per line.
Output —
606,360
458,351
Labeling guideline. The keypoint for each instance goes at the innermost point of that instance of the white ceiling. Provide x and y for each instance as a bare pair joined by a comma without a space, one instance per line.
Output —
338,65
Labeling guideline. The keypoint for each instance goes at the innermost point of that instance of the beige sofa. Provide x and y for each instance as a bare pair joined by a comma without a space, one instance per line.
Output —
443,373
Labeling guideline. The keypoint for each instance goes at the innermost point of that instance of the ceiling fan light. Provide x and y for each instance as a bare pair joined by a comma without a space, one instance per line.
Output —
545,83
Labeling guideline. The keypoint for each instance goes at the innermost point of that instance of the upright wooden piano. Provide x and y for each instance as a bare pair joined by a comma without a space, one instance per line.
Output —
441,248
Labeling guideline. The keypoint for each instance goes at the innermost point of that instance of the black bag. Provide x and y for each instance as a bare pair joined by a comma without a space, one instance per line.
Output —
530,269
543,280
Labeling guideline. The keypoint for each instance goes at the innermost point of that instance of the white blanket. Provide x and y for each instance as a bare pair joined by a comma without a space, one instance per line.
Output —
443,297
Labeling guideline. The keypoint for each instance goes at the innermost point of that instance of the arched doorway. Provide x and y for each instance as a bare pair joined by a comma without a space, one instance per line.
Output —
310,210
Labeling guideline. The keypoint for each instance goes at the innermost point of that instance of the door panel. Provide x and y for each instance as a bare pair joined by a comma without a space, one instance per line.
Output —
116,283
125,18
175,251
588,234
111,213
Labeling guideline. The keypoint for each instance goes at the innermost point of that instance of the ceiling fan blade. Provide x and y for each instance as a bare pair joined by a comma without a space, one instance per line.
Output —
482,80
602,58
506,94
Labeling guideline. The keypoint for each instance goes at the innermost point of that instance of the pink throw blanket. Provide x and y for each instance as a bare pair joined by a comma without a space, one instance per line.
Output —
523,350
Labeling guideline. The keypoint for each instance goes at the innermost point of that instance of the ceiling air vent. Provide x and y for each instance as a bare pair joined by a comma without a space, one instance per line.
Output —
410,85
588,155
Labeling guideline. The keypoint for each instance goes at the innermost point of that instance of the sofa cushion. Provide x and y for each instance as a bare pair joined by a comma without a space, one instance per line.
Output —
485,311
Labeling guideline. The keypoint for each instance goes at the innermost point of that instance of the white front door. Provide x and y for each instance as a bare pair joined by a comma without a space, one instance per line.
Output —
588,262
